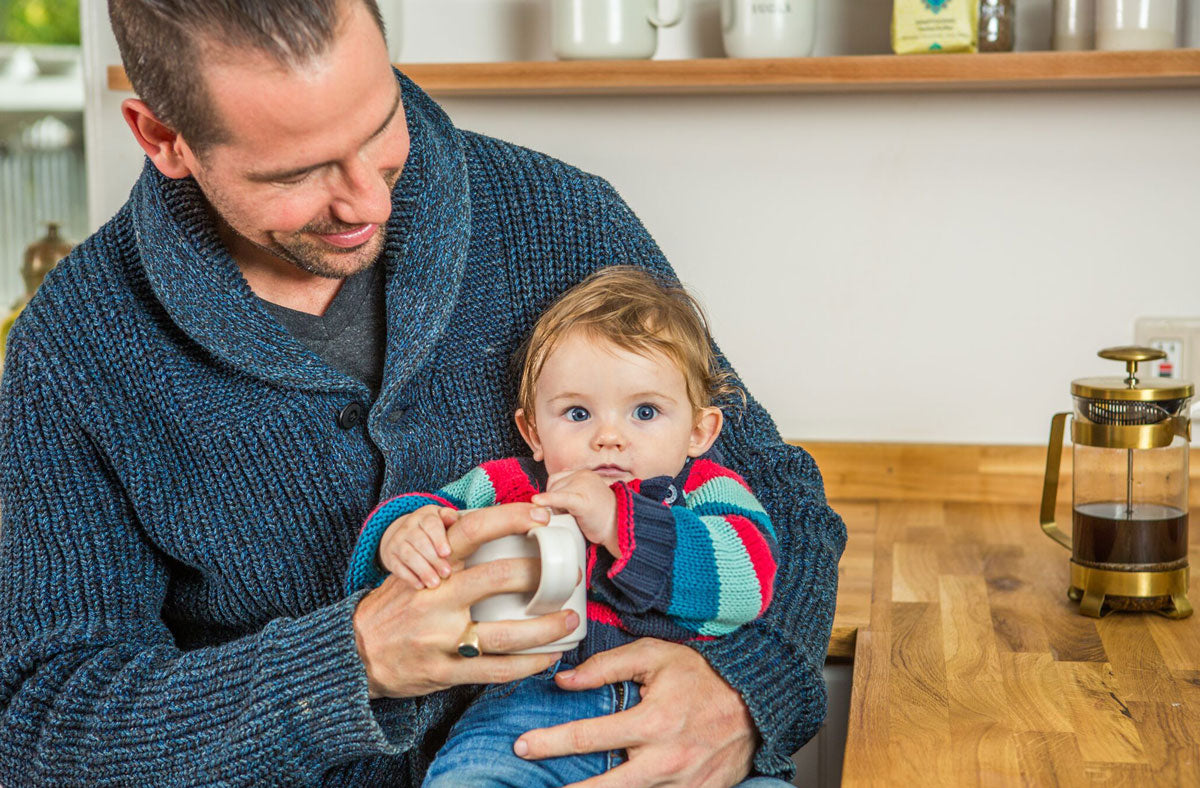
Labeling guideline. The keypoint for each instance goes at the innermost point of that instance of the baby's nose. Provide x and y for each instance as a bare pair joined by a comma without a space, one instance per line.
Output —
608,435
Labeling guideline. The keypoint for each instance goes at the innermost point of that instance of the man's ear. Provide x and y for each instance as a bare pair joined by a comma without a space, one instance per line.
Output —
529,433
162,144
705,432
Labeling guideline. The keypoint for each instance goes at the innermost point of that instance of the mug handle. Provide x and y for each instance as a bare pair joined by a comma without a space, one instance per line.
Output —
671,21
560,572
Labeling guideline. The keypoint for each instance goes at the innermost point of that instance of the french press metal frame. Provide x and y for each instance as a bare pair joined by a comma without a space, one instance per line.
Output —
1090,585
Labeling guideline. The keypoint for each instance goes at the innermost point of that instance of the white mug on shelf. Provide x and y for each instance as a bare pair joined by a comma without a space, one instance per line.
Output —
1074,25
609,29
562,552
1191,24
769,28
1136,24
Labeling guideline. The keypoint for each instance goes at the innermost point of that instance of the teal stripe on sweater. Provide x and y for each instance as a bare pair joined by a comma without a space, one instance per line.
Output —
715,509
475,490
725,493
739,599
725,490
696,586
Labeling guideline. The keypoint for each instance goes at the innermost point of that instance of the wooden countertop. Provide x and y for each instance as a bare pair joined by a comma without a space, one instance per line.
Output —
971,666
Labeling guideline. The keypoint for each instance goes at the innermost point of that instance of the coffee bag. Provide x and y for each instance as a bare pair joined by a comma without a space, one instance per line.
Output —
922,26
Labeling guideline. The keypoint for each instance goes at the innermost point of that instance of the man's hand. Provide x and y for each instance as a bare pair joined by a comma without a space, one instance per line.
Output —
691,728
586,495
407,638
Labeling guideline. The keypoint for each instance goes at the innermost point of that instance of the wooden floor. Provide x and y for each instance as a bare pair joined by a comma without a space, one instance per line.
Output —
973,667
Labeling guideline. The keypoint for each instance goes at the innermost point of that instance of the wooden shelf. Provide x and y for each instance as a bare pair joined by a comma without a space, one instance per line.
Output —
1175,68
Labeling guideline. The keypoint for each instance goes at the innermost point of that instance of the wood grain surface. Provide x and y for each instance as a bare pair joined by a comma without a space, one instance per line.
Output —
945,472
975,669
971,666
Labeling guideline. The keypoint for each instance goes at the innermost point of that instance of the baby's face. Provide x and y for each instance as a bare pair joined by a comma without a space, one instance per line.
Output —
619,414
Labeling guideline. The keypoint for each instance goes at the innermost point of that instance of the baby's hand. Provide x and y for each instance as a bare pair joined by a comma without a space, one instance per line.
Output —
588,497
414,547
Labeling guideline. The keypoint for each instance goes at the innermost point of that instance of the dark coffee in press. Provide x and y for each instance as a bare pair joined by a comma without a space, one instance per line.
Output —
1144,537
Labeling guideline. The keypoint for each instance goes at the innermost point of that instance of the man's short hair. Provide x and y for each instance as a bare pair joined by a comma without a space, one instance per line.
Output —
164,44
634,311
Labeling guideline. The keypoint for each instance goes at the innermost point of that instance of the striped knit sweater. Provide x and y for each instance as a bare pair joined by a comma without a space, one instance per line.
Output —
697,551
180,499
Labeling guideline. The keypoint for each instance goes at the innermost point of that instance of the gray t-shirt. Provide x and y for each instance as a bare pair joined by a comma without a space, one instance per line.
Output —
351,335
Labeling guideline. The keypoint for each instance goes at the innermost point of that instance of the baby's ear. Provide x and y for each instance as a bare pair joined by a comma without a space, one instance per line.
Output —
705,432
529,433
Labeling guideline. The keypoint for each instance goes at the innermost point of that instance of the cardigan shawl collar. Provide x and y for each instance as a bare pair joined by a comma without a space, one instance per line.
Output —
192,274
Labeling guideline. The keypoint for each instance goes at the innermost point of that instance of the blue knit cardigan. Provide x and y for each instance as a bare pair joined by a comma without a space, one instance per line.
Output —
179,496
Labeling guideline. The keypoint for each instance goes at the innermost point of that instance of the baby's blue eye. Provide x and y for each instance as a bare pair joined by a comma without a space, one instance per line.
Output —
577,414
645,412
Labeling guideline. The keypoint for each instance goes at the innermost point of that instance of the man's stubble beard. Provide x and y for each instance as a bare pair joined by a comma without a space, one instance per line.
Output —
321,261
310,256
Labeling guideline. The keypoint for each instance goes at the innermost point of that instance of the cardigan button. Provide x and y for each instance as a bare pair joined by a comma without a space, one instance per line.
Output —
351,415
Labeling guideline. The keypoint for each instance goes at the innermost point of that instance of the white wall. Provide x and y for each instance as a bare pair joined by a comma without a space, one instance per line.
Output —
925,267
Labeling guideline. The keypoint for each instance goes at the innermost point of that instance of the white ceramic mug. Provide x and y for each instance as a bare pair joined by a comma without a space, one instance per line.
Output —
769,28
562,552
609,29
1074,25
1136,24
1191,24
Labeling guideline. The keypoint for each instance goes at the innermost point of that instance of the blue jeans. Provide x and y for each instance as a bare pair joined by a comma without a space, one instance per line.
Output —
478,752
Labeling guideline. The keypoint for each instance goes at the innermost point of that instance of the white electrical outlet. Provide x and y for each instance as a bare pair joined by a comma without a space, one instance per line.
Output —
1179,337
1172,365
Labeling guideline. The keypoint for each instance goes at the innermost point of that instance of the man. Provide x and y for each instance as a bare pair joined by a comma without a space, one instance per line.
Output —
194,423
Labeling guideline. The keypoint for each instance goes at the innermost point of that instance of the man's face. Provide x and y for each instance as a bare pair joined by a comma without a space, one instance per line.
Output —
312,154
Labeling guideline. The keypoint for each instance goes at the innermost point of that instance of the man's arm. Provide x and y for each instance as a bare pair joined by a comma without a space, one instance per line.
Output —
92,685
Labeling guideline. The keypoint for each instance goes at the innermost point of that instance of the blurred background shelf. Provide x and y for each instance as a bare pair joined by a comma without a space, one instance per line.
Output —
1176,68
40,79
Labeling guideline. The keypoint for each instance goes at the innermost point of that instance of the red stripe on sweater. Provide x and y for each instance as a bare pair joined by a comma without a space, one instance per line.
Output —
591,564
382,504
625,538
509,480
603,614
760,555
706,470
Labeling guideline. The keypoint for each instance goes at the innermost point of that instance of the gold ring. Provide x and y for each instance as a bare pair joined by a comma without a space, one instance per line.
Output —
468,643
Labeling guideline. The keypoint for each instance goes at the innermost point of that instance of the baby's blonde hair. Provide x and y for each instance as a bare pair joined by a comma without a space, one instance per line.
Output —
634,311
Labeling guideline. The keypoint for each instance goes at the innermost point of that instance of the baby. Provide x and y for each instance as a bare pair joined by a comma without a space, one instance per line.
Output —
616,398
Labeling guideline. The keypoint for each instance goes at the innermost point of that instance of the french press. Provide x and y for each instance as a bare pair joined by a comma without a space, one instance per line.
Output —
1129,514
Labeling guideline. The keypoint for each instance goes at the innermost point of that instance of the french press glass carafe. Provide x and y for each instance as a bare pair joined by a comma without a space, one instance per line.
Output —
1129,513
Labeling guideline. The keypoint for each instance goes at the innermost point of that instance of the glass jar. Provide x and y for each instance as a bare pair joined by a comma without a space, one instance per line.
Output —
997,25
